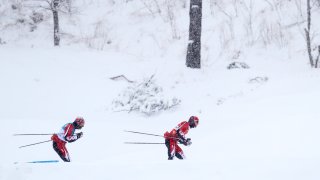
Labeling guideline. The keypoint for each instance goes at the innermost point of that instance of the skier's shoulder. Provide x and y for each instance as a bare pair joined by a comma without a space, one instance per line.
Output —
183,124
69,127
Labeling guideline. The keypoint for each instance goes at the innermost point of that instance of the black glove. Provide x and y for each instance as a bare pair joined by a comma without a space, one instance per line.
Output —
187,142
79,135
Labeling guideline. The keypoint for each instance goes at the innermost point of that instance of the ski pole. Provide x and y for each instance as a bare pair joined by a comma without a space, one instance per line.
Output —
32,134
35,143
142,143
136,132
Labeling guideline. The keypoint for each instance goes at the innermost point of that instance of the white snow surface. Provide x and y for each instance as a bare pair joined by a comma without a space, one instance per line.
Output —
260,123
265,130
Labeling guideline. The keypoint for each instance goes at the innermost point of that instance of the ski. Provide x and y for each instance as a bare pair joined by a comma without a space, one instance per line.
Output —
45,161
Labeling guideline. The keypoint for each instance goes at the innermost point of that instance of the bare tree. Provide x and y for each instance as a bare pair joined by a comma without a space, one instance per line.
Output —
313,61
56,30
194,46
55,6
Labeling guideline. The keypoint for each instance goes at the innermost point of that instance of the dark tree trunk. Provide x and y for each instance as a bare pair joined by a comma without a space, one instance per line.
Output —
194,46
317,59
56,31
307,31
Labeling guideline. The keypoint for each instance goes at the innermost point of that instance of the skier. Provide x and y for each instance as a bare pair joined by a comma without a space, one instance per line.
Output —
178,135
65,135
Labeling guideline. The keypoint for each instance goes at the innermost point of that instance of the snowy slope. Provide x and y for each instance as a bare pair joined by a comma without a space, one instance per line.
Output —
265,130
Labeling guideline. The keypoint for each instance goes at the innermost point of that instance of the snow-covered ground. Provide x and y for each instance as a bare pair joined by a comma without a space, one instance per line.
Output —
258,130
260,123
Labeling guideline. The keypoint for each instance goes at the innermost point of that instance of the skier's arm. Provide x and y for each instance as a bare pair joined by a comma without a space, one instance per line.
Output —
69,136
181,137
183,140
74,137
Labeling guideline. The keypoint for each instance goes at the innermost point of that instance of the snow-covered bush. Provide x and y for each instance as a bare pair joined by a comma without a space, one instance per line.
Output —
146,97
238,65
99,37
36,17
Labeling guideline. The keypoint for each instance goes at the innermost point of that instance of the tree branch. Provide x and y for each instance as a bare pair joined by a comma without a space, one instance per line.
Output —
317,59
121,77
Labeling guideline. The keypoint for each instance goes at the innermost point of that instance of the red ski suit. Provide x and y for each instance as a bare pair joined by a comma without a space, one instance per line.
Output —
172,138
60,139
